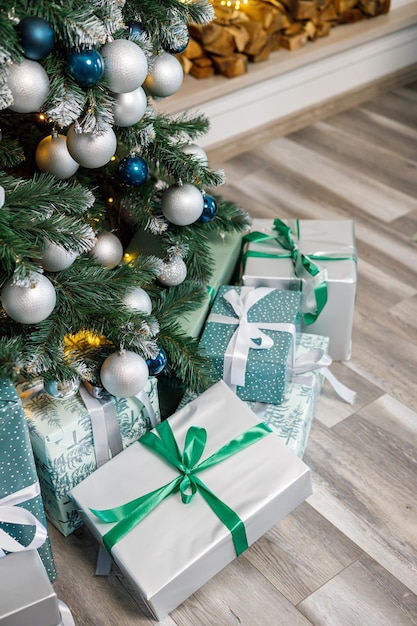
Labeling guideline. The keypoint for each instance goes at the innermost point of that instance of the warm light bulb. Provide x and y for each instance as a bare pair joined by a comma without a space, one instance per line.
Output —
110,200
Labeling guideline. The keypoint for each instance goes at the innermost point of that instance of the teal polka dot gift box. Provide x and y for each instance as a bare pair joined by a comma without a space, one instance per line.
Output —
22,516
250,337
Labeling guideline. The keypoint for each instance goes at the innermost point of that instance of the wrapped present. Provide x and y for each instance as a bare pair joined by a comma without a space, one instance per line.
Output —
72,437
317,256
22,514
27,596
250,337
225,249
169,525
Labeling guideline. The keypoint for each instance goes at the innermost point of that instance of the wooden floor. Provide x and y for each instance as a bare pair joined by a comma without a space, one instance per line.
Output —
347,556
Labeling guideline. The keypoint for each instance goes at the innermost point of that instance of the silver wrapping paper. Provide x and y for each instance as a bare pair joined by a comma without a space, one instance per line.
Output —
27,597
334,237
177,548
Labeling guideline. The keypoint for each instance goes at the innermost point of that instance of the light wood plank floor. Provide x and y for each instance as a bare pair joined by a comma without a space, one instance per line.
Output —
347,556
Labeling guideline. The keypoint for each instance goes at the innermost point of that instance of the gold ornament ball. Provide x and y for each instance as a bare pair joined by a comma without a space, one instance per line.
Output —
52,157
30,304
108,250
29,85
124,374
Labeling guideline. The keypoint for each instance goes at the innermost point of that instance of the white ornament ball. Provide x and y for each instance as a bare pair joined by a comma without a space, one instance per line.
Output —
130,107
197,151
137,299
52,157
89,149
124,374
108,250
174,272
182,204
165,76
125,65
2,196
29,85
55,258
29,305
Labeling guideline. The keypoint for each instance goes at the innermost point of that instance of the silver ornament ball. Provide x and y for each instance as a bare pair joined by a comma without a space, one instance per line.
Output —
174,272
108,250
90,149
2,196
55,258
130,107
124,374
52,157
165,76
29,85
31,304
62,391
125,65
137,299
197,151
182,204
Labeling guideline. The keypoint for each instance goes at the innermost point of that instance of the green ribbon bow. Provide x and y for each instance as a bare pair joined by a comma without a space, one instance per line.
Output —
303,265
187,482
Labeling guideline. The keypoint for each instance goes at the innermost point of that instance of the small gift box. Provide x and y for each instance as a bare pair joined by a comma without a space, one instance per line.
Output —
250,337
317,256
27,596
173,519
72,437
292,419
22,515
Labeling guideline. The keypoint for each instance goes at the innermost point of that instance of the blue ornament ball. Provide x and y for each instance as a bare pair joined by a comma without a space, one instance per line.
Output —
37,37
209,209
135,29
178,49
133,170
86,67
157,365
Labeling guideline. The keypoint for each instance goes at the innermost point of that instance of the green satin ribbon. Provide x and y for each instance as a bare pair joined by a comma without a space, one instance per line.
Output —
284,237
128,515
212,293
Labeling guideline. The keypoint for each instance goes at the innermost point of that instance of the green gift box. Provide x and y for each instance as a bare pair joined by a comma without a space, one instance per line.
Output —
250,337
20,496
61,432
292,419
225,250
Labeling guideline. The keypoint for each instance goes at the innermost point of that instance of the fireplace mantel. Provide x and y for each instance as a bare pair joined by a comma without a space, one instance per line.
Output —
293,88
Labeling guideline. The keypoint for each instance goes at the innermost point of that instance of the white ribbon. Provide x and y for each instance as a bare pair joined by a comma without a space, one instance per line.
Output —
318,360
66,615
10,513
237,351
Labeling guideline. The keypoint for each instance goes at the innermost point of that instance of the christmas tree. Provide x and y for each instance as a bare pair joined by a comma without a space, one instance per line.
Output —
86,162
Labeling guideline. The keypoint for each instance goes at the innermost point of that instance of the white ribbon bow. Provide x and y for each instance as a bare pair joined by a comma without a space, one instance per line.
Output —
10,513
318,360
237,351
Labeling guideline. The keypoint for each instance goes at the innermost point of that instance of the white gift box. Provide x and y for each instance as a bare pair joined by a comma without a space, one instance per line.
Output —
178,547
334,240
27,597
